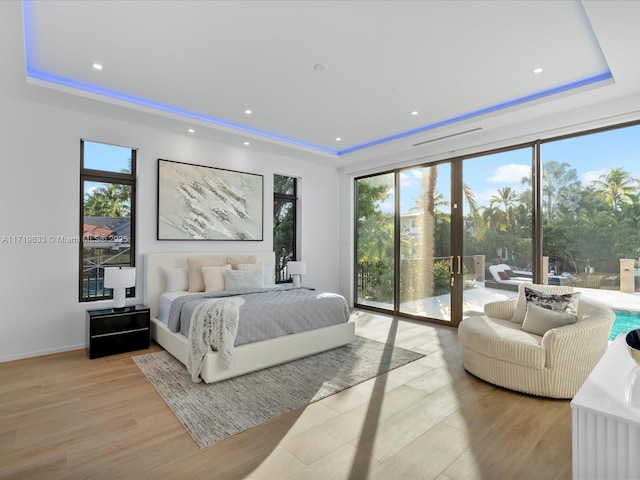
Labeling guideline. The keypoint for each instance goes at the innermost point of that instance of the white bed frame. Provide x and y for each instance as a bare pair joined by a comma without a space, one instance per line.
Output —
247,358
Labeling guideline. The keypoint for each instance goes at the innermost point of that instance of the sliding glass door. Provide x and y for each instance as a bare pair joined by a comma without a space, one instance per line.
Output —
497,227
425,242
432,241
375,240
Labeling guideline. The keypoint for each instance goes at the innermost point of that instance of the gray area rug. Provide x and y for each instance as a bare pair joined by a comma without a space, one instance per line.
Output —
216,411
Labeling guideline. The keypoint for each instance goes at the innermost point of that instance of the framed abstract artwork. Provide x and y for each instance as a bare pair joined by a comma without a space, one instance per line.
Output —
196,202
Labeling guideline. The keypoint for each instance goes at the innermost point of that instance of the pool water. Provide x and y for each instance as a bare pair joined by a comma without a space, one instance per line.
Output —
625,322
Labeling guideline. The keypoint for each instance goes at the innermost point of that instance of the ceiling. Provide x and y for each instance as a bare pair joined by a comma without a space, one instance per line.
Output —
382,76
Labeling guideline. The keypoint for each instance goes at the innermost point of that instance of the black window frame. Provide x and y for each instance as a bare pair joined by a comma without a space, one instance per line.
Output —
291,198
103,176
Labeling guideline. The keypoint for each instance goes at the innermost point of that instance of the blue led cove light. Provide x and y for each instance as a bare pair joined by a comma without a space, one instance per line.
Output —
40,75
483,111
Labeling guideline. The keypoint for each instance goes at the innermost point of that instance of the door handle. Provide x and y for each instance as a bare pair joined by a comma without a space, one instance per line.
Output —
451,265
459,264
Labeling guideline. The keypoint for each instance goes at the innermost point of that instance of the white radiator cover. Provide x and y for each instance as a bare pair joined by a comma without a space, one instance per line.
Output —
606,419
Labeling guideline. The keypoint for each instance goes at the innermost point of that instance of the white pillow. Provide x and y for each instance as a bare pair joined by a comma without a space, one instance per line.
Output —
539,320
214,280
235,279
235,261
176,279
268,269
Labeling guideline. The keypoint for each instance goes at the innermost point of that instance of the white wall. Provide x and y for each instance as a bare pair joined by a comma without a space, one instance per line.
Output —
39,196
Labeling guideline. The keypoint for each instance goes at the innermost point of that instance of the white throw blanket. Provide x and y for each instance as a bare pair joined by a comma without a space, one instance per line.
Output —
214,325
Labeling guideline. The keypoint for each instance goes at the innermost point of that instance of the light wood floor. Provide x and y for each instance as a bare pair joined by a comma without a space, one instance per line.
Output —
65,416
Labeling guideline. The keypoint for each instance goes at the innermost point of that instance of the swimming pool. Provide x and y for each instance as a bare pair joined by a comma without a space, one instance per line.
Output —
625,322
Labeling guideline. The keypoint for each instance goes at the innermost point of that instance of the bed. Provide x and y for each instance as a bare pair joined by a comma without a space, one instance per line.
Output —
248,357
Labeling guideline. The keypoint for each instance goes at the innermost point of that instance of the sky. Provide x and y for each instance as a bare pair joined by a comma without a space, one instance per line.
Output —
101,156
591,155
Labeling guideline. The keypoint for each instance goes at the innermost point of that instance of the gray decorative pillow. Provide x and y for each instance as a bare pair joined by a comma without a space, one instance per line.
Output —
235,279
540,320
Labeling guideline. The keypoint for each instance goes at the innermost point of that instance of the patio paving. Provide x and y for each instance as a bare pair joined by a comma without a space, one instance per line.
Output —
476,298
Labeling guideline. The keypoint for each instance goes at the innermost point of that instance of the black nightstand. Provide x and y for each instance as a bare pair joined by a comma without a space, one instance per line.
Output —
112,331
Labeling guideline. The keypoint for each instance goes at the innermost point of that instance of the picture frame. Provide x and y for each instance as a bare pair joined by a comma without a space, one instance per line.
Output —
198,202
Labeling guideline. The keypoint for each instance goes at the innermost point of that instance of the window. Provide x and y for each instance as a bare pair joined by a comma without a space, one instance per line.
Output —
284,224
107,215
591,209
563,211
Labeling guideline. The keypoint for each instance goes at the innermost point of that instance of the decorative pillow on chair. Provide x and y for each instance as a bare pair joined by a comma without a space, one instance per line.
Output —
559,302
539,319
503,275
510,273
521,304
547,310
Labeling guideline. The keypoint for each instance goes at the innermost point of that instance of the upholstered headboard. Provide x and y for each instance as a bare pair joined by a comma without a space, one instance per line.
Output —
154,283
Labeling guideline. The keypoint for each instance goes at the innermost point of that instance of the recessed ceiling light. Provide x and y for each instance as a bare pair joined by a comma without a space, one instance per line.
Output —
414,113
191,130
96,66
247,143
537,70
338,139
248,111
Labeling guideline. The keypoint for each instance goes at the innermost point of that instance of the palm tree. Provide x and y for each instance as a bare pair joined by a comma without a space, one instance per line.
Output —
615,188
559,180
429,182
108,200
494,218
507,198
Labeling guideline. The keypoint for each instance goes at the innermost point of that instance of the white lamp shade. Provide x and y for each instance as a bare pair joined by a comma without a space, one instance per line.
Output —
119,277
296,268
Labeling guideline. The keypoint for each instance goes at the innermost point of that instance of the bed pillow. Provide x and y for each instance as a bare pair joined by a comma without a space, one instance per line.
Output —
520,309
195,264
235,279
254,267
235,261
503,275
539,319
176,279
214,280
267,270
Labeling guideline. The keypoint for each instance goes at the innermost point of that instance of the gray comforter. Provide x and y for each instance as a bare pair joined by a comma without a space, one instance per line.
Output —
267,313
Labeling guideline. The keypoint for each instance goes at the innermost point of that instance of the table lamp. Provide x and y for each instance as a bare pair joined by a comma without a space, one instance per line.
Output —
119,279
296,270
